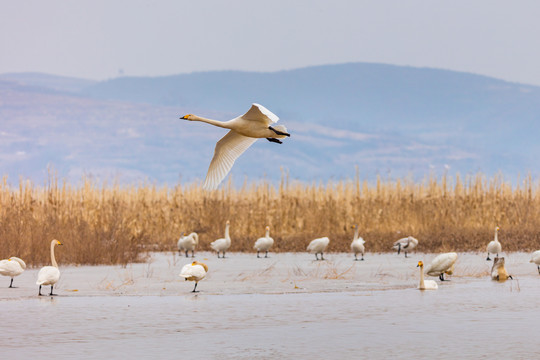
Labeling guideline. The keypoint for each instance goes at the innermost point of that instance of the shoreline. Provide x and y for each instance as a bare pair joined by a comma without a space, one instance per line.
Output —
244,273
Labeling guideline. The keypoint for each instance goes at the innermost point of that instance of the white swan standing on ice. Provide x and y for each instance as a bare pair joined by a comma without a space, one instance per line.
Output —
244,131
318,246
494,245
442,264
49,275
536,259
425,284
12,267
195,271
188,243
222,244
357,245
264,243
405,244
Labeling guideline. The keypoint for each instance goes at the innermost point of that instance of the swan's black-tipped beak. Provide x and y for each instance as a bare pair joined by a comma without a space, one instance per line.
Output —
183,117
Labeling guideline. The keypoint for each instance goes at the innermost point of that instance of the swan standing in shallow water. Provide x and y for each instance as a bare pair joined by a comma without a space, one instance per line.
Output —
442,264
49,275
494,245
536,259
264,243
244,131
195,271
405,244
187,243
318,246
425,284
222,244
12,267
357,245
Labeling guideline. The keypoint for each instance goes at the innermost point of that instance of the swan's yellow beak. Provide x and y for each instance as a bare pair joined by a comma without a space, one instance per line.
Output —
420,264
186,117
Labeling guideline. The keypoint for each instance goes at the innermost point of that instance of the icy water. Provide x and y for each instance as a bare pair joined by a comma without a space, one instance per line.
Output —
465,318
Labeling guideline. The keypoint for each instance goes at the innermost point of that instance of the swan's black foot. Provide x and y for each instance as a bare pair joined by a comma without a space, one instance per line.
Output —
510,276
274,140
362,259
488,259
279,132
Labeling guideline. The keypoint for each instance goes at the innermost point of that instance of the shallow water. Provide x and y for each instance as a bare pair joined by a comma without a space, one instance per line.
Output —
465,318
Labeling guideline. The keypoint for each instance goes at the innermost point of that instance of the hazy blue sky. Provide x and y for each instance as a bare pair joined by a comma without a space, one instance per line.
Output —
97,39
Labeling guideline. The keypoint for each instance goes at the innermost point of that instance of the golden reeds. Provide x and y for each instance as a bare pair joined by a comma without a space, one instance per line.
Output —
112,224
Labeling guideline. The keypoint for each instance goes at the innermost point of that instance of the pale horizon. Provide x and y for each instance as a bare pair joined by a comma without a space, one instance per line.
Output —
99,40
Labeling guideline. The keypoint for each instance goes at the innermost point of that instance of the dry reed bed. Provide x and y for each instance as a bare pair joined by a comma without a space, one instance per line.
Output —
112,224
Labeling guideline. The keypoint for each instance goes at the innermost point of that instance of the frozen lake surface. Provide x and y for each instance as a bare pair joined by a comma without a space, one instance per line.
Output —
284,306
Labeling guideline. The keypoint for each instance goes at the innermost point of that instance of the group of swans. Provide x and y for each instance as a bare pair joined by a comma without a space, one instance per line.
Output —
48,275
244,130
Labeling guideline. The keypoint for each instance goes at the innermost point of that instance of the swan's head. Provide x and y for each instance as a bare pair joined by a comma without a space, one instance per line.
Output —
267,228
420,264
353,226
200,263
187,117
56,242
496,228
228,222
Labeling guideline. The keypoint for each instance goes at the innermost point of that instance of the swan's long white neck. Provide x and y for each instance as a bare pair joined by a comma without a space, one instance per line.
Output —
53,260
422,285
267,232
221,124
356,234
496,235
227,237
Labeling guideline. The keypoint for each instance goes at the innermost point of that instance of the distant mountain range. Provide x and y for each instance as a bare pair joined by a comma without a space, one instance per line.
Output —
387,120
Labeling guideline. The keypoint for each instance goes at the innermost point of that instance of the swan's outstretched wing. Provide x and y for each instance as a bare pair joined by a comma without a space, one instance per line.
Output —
260,113
228,149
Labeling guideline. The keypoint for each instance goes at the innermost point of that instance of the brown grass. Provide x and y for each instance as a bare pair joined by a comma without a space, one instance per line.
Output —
112,224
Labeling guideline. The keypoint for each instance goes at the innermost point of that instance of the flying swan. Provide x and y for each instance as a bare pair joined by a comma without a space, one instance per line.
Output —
244,131
357,245
49,275
425,284
12,267
264,243
195,271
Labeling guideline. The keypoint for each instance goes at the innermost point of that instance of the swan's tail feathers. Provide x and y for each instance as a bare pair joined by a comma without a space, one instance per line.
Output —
228,149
